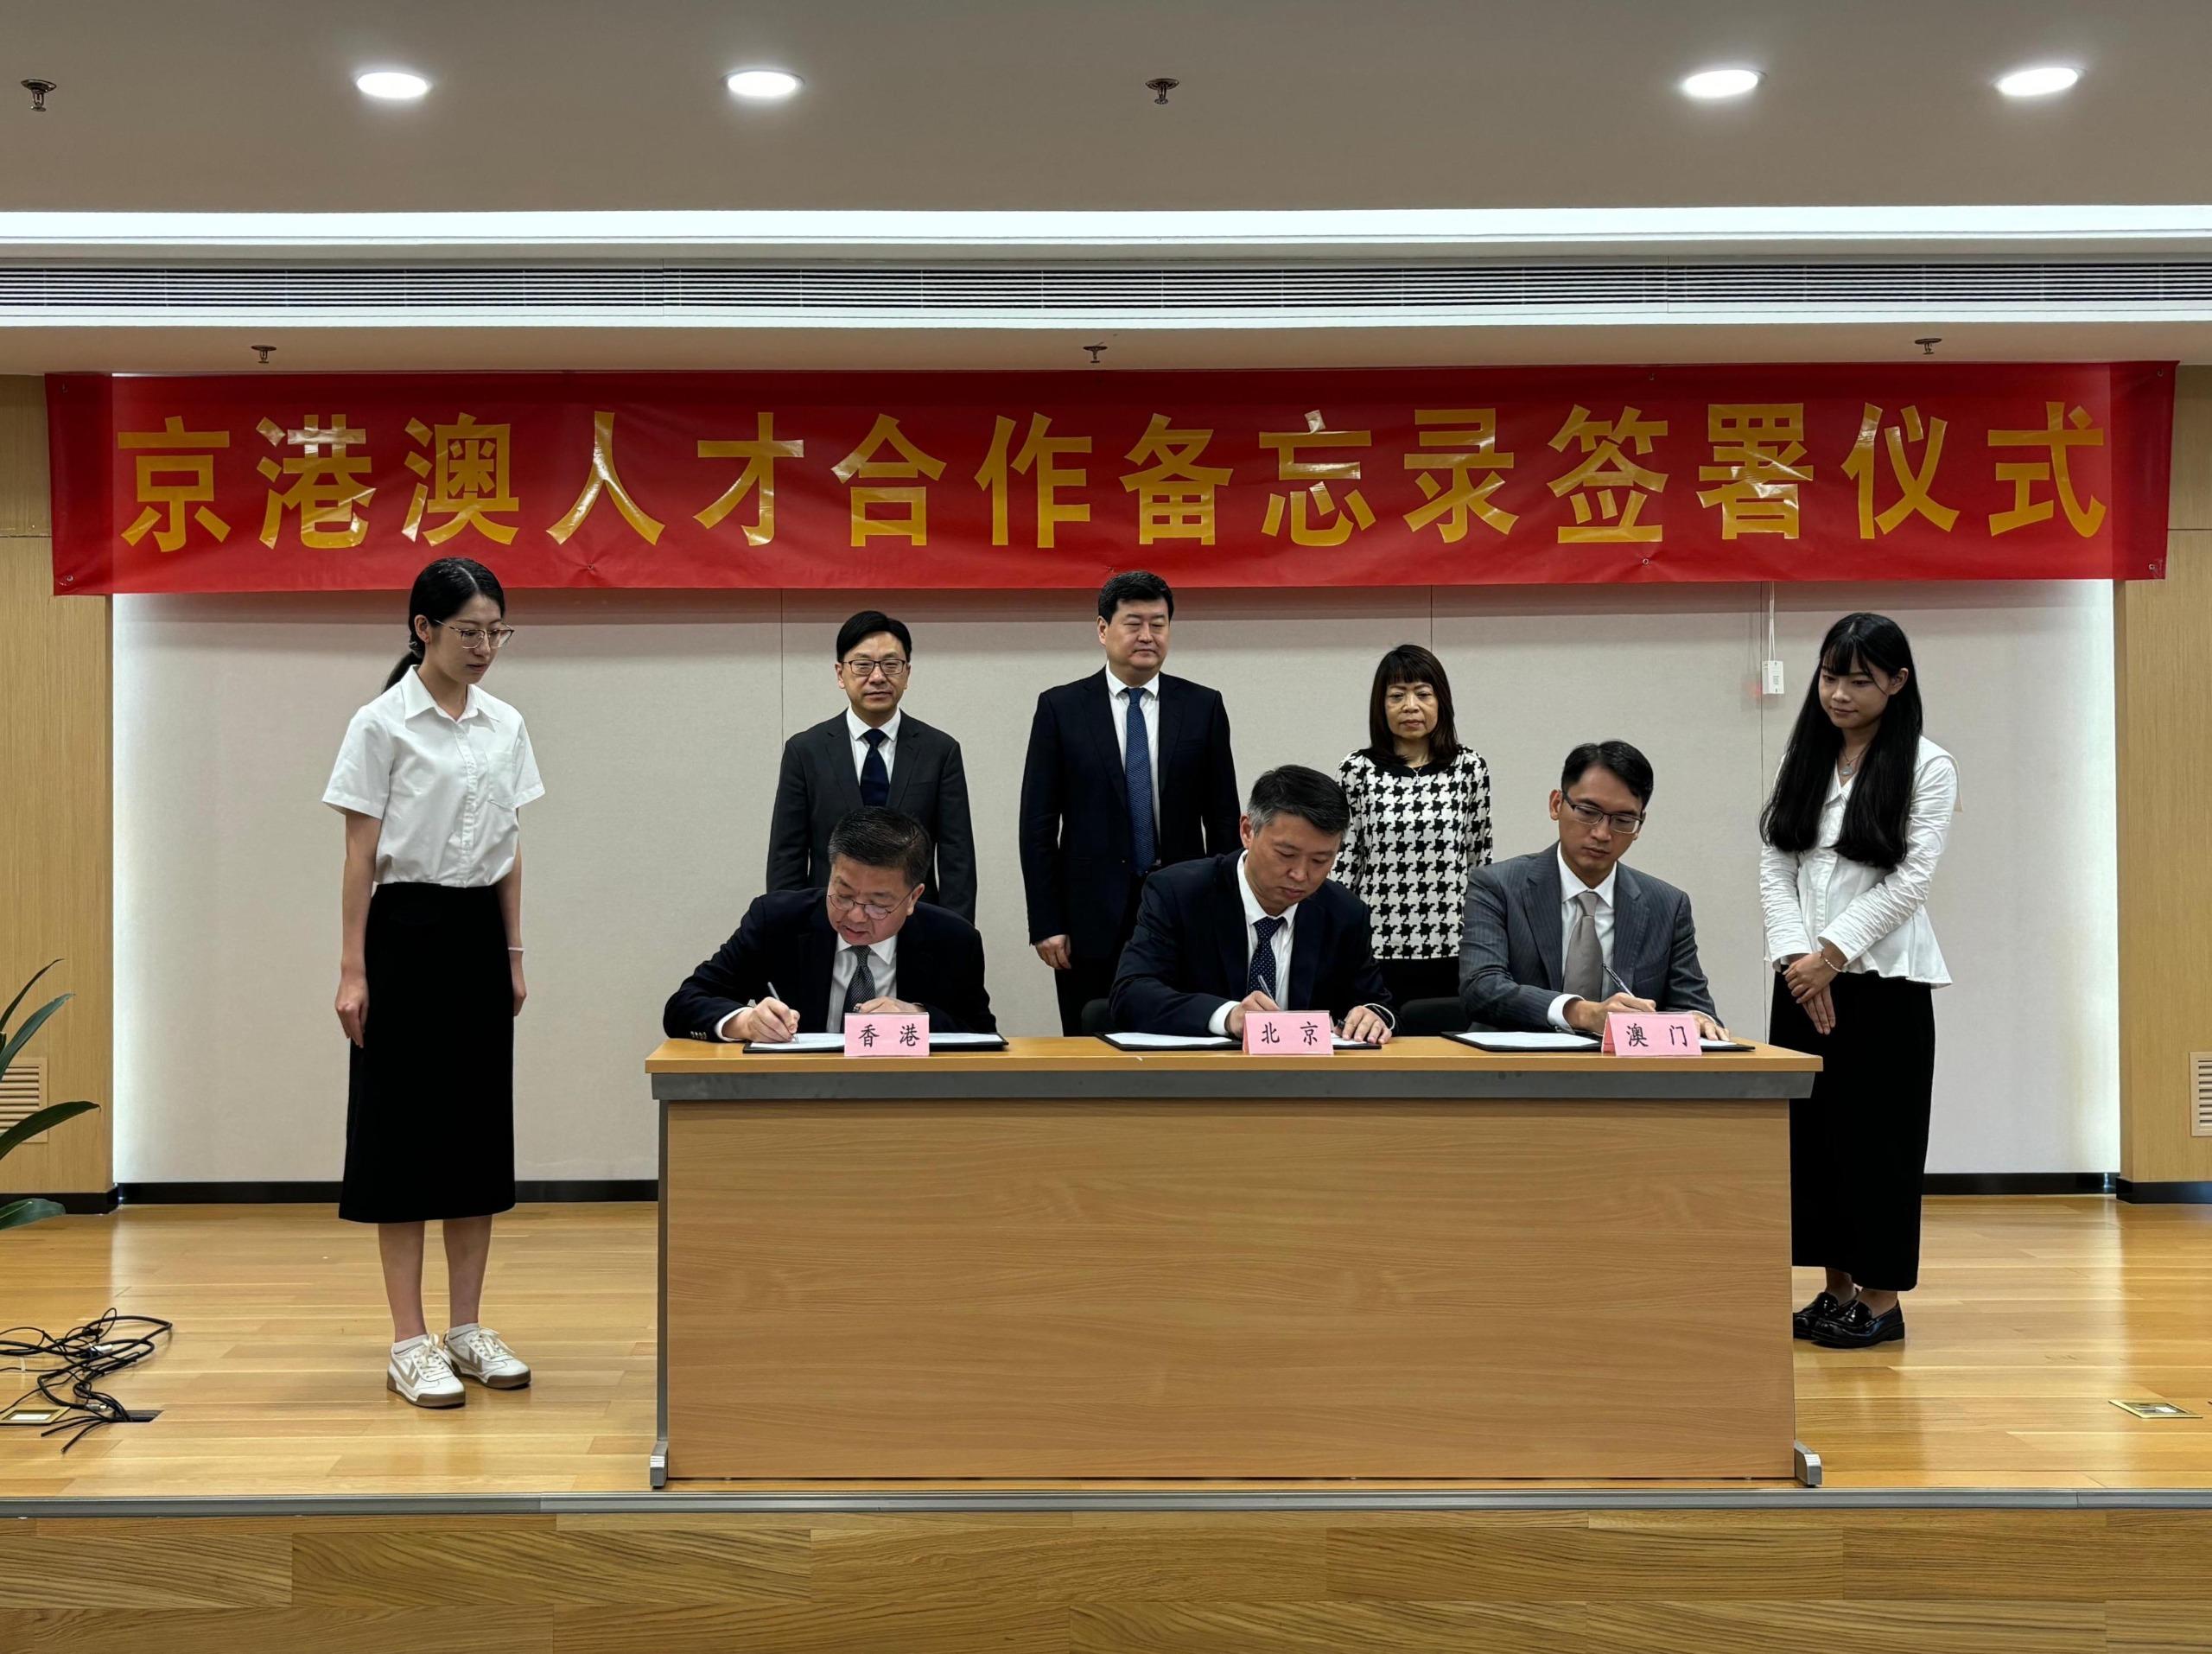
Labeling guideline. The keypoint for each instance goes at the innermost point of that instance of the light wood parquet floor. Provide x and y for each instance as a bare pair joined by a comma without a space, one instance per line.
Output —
2034,1313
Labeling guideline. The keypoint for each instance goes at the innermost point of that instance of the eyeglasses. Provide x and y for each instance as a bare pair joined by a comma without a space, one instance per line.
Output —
849,904
862,669
477,637
1589,815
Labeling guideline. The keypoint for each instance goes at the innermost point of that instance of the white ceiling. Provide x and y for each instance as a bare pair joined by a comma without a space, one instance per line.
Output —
248,104
998,106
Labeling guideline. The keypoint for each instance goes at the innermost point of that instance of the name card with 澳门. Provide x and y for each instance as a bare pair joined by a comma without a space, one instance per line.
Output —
1658,1034
887,1034
1288,1034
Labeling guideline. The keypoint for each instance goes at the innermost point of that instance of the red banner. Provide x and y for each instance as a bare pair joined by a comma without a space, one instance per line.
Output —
1350,477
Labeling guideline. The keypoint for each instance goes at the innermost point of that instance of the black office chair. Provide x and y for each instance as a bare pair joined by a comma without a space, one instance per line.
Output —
1438,1015
1098,1017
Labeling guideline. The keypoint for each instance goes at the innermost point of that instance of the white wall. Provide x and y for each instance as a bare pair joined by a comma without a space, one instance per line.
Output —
657,718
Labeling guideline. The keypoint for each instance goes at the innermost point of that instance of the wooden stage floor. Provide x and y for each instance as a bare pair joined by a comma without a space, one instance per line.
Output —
2036,1315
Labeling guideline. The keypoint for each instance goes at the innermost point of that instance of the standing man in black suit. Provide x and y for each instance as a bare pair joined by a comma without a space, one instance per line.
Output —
865,943
1128,770
1265,931
874,754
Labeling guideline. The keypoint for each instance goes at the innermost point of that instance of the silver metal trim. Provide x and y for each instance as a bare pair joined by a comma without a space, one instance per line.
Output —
1807,1462
1232,1084
878,1501
657,1463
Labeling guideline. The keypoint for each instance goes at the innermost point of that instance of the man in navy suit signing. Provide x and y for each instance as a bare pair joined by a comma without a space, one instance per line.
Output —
1264,931
802,959
1128,770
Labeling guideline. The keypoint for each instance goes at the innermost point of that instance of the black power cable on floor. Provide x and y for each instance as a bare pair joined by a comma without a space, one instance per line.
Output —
83,1357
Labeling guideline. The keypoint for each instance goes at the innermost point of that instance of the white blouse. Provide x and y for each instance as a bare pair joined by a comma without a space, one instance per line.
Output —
445,789
1877,921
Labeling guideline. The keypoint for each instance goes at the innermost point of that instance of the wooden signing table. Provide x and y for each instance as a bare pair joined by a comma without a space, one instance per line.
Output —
1065,1262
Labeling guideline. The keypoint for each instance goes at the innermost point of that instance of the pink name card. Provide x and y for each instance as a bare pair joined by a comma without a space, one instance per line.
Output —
1288,1034
1652,1035
881,1034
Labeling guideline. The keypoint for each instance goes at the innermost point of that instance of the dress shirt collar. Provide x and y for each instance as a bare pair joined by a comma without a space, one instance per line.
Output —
856,728
415,697
1114,686
1570,885
1253,912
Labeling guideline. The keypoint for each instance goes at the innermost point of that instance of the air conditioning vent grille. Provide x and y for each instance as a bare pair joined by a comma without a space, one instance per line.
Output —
1427,291
22,1093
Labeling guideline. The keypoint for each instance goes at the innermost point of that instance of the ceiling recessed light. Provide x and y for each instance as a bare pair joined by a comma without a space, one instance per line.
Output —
2039,82
766,84
394,84
1720,83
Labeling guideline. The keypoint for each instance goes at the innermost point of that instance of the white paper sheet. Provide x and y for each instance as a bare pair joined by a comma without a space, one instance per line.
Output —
1527,1041
1169,1042
804,1042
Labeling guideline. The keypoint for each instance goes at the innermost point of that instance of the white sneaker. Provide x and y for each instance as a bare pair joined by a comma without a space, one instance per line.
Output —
477,1352
419,1373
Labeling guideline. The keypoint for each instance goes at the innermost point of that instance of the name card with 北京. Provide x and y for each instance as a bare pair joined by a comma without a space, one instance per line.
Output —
1288,1034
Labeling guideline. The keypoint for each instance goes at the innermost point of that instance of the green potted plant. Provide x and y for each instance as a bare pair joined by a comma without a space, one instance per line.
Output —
16,1213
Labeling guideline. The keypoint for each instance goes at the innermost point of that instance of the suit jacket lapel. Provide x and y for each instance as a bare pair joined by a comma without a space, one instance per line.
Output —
1229,927
818,959
1543,896
1170,729
913,735
1631,918
1099,720
1310,943
844,774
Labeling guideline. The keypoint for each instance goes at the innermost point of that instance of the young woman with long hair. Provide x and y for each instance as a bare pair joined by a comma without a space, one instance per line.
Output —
1852,835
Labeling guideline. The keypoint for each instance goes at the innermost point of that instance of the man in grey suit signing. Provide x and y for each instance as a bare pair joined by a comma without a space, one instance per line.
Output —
1559,940
873,753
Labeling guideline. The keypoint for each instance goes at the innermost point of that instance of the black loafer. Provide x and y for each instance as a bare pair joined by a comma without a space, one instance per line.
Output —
1801,1324
1857,1328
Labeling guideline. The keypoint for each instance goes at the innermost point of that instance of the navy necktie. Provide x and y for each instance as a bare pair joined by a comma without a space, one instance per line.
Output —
876,779
1263,978
1137,759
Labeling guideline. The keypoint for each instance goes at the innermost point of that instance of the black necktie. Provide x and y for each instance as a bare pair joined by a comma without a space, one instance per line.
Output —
861,988
1263,978
876,779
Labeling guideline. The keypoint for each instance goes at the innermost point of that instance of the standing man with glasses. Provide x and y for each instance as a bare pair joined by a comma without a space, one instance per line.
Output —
868,942
1128,770
875,756
1559,940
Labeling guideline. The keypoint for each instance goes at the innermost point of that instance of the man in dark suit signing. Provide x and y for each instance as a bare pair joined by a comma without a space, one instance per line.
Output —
1264,930
802,960
1559,940
1128,770
873,753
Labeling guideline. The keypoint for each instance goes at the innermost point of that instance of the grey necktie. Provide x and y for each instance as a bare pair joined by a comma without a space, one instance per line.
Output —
862,988
1585,961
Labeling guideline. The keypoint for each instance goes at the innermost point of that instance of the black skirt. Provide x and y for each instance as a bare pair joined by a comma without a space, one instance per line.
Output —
430,1100
1858,1145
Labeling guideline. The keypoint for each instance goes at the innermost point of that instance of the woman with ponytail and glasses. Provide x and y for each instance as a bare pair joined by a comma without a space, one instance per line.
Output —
1852,835
430,970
